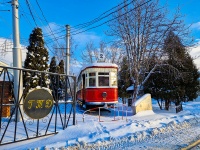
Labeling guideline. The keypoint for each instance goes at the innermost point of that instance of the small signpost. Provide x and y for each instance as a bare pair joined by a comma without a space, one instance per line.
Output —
38,103
179,108
101,57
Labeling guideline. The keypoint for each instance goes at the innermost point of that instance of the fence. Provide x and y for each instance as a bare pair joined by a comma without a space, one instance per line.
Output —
48,116
118,111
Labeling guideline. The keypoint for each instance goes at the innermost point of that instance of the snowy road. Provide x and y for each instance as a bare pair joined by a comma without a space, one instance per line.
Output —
171,140
172,137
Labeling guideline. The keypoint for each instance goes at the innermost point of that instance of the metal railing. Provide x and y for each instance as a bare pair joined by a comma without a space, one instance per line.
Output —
61,87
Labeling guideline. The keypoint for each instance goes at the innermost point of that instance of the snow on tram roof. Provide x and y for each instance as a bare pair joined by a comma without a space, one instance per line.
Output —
100,64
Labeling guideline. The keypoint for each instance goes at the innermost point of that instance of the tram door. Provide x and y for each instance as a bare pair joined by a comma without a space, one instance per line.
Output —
83,77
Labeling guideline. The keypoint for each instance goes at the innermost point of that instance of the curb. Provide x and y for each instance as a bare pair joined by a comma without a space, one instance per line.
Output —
192,145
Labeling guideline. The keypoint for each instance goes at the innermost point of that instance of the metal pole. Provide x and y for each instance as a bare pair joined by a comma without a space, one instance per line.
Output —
99,115
67,49
17,56
74,102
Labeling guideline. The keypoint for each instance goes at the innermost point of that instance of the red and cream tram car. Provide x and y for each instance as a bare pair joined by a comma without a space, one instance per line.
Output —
97,85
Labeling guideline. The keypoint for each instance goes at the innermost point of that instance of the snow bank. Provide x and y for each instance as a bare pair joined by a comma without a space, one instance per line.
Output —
141,99
142,104
148,129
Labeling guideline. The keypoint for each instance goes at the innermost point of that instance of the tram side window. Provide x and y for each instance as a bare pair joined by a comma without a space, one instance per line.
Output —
92,79
103,78
113,79
86,80
83,83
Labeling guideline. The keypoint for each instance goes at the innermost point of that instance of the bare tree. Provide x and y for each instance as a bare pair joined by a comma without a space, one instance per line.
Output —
60,51
89,54
141,28
112,53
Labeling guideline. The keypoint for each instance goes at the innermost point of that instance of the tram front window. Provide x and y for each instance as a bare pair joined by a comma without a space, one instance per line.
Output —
92,79
92,82
103,81
103,78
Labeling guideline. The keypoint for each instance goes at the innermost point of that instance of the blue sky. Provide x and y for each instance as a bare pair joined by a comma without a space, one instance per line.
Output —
73,12
190,10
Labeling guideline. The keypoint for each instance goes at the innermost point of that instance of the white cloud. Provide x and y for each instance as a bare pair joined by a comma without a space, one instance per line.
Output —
75,67
6,54
86,37
54,32
195,53
60,31
196,26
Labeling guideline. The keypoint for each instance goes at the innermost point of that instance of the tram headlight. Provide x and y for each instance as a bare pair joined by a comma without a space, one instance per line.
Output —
104,94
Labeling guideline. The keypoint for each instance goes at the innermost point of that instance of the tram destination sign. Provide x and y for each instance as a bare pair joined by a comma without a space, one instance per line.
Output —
38,103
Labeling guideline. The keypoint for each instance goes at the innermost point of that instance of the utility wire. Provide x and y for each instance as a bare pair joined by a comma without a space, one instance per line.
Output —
59,30
112,18
102,16
5,2
4,10
27,2
83,25
56,31
47,23
24,15
41,20
59,37
46,30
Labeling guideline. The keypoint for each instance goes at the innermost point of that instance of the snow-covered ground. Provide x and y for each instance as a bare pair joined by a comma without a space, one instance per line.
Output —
119,129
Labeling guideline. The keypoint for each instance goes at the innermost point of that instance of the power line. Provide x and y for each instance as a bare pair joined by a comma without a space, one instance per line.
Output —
4,10
27,2
5,2
25,16
41,20
33,17
56,31
112,18
47,23
59,37
83,25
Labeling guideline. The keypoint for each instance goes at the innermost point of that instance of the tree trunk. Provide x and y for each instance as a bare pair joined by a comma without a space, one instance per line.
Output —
167,104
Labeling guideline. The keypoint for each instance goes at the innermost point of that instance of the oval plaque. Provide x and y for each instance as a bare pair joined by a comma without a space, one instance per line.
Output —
38,103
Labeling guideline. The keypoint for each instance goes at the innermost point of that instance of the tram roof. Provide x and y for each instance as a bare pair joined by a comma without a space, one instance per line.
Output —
100,64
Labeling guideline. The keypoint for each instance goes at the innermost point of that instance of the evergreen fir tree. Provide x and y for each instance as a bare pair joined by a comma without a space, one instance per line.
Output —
176,53
190,79
36,59
61,71
54,79
123,79
176,81
53,69
181,60
53,65
61,67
